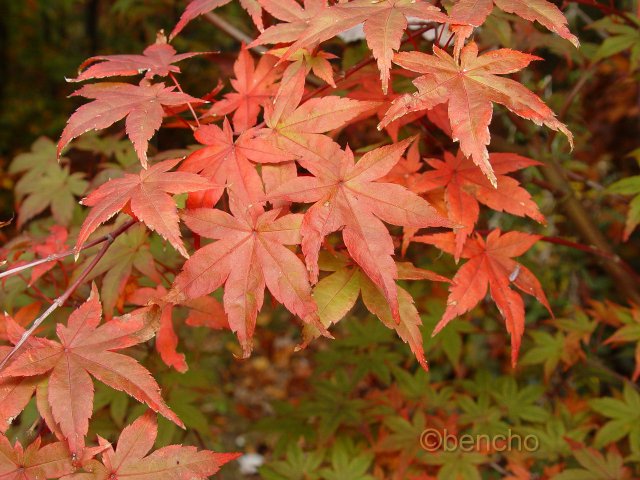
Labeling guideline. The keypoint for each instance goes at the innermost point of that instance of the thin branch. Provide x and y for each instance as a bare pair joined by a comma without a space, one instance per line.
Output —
610,256
232,31
582,81
58,302
58,256
556,175
597,364
607,10
193,112
588,230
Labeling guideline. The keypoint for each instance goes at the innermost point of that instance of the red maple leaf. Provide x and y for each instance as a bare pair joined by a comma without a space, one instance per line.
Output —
56,242
470,88
131,458
34,462
225,162
253,86
475,12
203,311
200,7
296,19
157,59
346,196
465,186
298,129
15,393
142,105
366,86
250,254
86,349
384,21
144,196
407,171
23,316
490,265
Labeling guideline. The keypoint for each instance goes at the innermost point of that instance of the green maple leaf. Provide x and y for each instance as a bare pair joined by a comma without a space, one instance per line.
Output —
45,184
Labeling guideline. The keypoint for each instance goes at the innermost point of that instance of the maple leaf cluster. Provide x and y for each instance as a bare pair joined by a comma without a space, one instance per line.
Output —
278,197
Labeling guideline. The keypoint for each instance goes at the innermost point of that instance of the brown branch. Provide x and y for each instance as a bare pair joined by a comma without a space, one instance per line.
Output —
590,233
609,256
59,256
556,176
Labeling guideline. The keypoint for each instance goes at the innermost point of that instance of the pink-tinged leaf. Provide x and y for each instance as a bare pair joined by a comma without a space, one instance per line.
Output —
131,458
542,11
86,348
471,12
140,104
253,85
35,462
297,130
194,9
384,24
147,197
15,393
475,12
71,400
225,162
348,198
157,59
296,19
250,254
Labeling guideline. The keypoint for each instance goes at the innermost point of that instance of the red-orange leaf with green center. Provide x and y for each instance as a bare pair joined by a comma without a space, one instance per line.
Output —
471,87
338,292
346,197
87,349
146,196
490,265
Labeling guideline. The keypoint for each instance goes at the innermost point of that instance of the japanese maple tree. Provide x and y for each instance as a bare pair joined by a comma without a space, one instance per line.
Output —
287,192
